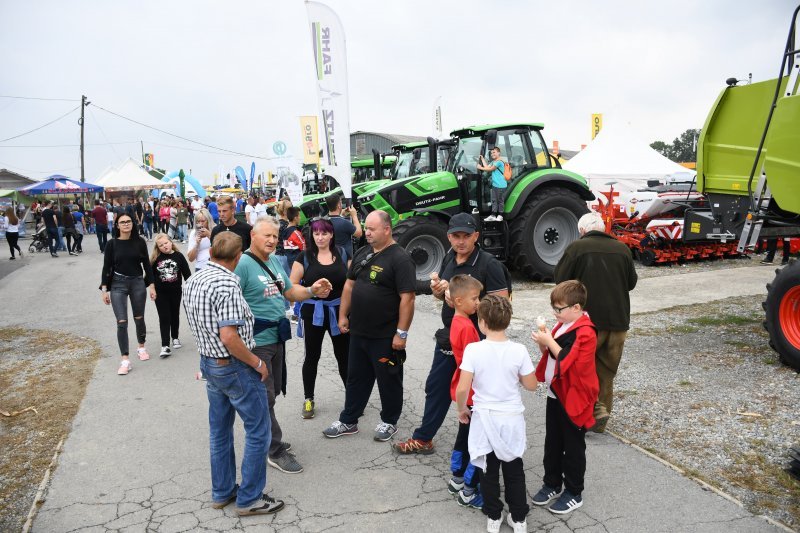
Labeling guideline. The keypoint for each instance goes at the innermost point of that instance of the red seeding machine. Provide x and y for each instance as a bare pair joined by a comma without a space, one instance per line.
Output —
650,222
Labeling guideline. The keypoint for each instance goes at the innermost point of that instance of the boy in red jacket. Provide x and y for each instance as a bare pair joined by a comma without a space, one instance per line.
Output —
567,367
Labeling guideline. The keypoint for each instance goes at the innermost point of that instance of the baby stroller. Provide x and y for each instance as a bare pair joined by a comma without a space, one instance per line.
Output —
39,240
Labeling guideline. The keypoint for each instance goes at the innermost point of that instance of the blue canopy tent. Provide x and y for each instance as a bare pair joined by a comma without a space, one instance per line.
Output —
60,185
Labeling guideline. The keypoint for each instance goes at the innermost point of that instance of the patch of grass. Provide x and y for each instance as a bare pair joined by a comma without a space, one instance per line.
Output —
684,383
682,328
770,482
724,320
27,362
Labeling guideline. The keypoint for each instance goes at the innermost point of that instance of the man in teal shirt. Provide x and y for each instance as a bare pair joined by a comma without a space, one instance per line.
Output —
498,183
264,285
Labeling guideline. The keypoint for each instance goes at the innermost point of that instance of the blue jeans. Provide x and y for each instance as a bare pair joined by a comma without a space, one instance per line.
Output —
147,226
437,395
62,247
182,232
236,388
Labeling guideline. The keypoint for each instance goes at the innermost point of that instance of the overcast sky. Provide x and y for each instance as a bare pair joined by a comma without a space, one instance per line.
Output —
237,74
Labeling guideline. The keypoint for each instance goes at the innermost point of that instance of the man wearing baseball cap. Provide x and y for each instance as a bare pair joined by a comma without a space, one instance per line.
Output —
463,258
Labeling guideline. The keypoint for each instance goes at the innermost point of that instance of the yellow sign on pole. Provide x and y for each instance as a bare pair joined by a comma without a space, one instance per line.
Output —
308,128
597,124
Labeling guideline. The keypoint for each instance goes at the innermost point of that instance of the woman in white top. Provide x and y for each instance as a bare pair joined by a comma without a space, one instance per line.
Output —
11,223
200,239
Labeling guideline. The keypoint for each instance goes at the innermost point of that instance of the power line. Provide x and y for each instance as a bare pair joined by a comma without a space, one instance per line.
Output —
179,136
65,145
37,171
42,126
45,99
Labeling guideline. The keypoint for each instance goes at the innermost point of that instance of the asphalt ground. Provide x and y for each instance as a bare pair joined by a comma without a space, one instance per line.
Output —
137,456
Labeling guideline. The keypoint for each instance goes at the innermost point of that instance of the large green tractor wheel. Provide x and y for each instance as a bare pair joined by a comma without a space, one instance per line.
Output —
425,239
547,224
783,314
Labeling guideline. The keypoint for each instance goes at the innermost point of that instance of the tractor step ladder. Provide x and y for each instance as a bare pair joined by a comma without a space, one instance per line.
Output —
753,223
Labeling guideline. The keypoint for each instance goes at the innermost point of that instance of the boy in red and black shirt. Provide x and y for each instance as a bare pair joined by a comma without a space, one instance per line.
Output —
465,294
568,368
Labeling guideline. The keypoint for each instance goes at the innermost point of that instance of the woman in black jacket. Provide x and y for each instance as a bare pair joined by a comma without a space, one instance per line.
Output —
127,274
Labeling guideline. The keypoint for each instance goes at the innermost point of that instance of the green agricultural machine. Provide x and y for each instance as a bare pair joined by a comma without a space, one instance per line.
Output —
748,163
409,159
542,203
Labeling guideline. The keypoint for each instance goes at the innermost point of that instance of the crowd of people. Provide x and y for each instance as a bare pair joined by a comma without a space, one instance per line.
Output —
236,302
251,280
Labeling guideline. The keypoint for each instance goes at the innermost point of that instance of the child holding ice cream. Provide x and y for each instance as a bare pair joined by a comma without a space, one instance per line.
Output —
567,367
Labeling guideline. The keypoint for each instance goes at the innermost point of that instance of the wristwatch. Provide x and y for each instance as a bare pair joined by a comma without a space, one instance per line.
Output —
403,334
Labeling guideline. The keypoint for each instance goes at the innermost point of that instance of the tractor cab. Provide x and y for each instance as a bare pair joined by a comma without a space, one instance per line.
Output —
521,146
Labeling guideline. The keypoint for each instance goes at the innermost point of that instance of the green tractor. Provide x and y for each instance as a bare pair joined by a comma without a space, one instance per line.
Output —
542,202
408,159
748,163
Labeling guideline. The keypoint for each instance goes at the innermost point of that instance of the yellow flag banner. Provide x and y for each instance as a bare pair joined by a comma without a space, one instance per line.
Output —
597,124
309,130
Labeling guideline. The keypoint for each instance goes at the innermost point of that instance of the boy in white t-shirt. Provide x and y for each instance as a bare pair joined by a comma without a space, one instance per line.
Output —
494,369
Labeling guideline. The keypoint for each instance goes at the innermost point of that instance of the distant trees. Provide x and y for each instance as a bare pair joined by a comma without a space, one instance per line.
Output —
682,150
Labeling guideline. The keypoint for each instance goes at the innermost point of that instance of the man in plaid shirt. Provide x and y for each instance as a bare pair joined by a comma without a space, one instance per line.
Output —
222,325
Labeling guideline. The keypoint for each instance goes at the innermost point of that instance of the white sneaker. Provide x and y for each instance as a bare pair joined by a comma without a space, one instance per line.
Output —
490,218
518,527
493,526
499,218
165,352
176,343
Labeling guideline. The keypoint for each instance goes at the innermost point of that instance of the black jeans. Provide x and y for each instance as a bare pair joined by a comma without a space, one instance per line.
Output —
564,450
437,394
514,482
122,288
273,356
70,234
13,237
168,305
102,236
363,368
313,336
52,239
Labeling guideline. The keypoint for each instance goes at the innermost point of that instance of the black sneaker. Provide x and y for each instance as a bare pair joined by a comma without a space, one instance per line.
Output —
286,463
265,505
567,503
545,495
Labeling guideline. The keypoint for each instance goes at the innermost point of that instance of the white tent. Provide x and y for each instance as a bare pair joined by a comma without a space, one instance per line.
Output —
618,154
129,176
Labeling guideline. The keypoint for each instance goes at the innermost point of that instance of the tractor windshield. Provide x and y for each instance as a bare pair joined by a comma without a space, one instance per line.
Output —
466,155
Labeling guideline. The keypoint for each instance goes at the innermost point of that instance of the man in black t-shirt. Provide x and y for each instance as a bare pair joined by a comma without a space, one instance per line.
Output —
376,309
51,223
464,258
228,222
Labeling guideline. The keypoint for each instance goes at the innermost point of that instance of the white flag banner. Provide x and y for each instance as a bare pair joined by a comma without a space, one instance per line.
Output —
330,59
437,118
288,174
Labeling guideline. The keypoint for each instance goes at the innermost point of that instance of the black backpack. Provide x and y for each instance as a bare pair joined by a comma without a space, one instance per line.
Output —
482,264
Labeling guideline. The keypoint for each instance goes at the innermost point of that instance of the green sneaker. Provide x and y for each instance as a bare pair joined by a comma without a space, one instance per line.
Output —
308,409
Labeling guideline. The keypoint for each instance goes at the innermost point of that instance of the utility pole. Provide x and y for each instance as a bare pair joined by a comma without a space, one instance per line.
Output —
144,161
84,103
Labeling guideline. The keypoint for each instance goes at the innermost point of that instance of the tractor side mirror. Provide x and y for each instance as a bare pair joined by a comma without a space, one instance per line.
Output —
491,138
